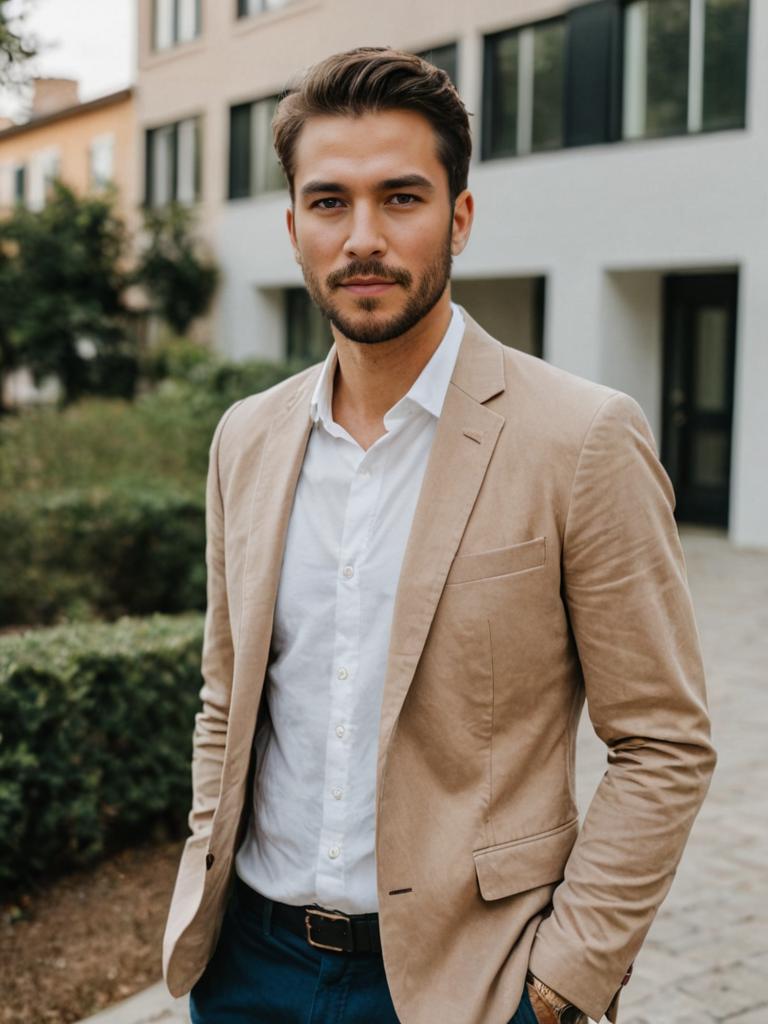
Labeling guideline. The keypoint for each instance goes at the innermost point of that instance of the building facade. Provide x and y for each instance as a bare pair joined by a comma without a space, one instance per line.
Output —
619,170
87,145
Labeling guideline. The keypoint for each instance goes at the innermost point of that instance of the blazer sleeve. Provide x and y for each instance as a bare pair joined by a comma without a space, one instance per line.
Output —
627,597
217,660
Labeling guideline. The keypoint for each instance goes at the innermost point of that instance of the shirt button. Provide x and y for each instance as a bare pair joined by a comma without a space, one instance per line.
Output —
342,673
348,571
334,852
340,730
337,794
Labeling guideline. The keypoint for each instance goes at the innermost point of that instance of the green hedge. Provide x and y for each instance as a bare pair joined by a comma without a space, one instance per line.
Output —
102,504
161,438
128,549
95,740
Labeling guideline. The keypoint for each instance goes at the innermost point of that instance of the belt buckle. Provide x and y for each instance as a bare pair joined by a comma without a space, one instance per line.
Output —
331,917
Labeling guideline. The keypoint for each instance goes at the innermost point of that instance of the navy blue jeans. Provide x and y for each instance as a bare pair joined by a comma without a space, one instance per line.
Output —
262,973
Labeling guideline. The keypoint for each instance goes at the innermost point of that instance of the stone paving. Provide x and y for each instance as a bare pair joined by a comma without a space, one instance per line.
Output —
706,956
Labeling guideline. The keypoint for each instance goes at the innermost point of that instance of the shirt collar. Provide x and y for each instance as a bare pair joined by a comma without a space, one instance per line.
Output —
428,390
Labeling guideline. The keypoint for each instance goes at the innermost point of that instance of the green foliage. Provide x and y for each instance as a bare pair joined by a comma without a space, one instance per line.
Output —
64,266
10,296
102,504
176,357
101,553
179,279
95,740
15,47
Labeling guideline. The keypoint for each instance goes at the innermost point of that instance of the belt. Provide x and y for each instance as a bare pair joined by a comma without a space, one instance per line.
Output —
323,929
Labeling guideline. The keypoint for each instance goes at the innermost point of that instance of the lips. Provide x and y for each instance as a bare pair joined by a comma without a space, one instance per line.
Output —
368,286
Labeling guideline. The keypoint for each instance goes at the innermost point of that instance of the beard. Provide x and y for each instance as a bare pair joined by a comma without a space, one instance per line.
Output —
365,329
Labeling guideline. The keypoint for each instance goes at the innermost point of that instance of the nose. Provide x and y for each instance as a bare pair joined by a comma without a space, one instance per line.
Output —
365,240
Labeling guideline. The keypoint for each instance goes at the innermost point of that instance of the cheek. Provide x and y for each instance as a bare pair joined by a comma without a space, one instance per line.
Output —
318,245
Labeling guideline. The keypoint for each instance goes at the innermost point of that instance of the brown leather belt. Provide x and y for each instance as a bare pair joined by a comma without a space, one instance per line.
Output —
324,929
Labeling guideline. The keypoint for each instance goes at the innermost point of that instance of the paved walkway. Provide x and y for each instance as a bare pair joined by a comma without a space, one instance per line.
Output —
706,957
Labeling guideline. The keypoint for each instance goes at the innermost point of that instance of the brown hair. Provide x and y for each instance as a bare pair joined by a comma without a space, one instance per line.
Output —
375,78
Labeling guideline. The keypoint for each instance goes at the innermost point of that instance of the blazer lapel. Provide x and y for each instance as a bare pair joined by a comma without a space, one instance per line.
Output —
273,495
464,441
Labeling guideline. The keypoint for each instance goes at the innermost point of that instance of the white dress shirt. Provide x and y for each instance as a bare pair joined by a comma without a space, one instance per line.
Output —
311,834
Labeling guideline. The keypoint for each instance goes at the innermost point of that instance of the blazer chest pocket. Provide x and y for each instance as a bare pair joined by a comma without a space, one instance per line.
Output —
498,562
522,864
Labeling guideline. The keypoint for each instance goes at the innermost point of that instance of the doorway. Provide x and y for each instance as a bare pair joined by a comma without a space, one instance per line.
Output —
697,419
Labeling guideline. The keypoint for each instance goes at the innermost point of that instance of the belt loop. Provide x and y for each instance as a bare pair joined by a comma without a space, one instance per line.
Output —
266,915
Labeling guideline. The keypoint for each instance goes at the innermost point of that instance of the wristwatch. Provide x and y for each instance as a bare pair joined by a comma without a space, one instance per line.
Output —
563,1011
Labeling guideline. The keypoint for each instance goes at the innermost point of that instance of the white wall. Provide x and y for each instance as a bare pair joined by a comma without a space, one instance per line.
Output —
631,333
602,223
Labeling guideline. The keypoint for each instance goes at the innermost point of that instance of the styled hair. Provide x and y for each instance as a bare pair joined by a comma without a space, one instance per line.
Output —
370,79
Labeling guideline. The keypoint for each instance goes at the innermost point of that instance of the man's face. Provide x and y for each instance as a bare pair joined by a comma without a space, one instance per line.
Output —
372,223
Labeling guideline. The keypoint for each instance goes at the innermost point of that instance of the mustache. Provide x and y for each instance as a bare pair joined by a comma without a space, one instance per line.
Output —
369,268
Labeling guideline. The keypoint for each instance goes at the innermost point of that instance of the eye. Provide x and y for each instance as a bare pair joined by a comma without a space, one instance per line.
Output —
404,199
319,204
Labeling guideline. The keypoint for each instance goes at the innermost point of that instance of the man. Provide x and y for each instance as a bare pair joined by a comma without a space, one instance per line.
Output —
422,555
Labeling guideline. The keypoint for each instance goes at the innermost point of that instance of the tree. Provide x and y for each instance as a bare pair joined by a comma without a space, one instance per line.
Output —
9,298
69,318
15,47
178,278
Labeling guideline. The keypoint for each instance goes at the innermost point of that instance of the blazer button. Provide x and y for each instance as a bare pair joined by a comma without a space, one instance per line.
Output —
209,859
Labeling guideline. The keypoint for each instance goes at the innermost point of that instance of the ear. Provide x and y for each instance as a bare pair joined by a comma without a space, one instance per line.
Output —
463,216
290,222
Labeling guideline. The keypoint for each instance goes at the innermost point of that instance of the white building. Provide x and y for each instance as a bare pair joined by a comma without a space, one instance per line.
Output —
621,180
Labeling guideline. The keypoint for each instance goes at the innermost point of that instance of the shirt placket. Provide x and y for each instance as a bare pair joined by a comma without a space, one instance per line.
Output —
347,676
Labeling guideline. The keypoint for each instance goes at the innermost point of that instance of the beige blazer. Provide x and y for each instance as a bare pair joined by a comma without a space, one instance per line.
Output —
543,566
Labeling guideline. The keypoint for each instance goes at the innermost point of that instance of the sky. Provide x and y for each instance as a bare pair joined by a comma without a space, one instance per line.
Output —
91,40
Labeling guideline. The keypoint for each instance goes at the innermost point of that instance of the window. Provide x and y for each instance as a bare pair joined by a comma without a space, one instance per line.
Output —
20,184
656,34
247,7
173,156
307,332
724,91
523,90
101,160
175,21
685,66
548,63
445,57
253,164
44,169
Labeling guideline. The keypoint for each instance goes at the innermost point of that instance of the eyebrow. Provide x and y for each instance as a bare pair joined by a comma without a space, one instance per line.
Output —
405,181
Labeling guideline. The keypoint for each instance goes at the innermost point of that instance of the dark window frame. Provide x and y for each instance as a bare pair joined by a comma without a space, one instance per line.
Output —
610,128
741,125
453,45
239,184
150,135
241,9
486,118
20,177
176,25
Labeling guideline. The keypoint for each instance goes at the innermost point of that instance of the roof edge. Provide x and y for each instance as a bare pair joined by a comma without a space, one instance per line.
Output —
67,112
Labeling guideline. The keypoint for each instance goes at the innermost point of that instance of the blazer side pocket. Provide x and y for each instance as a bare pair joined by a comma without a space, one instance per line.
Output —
498,561
523,864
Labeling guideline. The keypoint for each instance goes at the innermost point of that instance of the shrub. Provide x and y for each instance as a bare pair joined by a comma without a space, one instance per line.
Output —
101,553
102,504
95,740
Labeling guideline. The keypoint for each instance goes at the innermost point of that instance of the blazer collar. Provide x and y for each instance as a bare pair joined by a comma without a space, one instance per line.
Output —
478,371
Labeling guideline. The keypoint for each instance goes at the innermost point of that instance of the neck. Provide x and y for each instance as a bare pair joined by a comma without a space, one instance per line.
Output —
370,379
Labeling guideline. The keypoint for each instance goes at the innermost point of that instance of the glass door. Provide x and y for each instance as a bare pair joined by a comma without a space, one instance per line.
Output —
700,348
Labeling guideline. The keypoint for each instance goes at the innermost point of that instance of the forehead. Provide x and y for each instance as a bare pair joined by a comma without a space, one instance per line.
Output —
372,146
